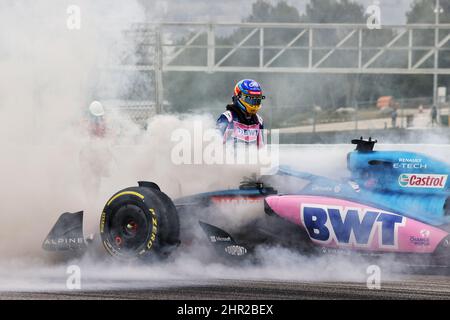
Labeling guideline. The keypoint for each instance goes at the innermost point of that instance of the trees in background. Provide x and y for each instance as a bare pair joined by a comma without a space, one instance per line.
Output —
423,11
327,91
193,91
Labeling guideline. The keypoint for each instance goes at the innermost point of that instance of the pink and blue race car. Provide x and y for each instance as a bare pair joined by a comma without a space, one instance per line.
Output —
394,203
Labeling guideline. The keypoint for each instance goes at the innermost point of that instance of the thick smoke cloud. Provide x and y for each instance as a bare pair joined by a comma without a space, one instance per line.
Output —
49,74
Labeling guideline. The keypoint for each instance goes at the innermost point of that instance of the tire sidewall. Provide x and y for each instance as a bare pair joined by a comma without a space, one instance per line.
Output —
152,204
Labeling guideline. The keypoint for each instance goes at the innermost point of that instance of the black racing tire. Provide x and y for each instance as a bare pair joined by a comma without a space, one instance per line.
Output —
441,256
140,223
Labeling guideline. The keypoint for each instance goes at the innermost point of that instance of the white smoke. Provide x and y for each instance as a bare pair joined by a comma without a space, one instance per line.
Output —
48,74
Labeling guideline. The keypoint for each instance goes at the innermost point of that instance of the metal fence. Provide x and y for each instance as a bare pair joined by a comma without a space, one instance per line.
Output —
284,48
413,113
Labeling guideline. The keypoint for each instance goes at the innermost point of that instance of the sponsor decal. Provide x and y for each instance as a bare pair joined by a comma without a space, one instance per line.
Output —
419,241
219,239
247,133
335,189
253,84
154,228
236,199
322,188
434,181
64,241
407,160
354,185
235,250
425,233
340,251
111,249
422,240
406,163
102,222
409,166
348,226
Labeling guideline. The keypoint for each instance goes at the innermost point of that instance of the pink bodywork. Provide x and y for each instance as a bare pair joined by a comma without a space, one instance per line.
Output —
411,236
246,133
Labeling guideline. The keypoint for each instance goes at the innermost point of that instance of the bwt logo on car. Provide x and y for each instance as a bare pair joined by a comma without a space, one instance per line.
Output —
436,181
351,226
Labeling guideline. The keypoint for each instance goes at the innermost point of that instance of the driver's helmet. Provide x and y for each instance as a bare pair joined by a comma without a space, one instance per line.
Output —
248,95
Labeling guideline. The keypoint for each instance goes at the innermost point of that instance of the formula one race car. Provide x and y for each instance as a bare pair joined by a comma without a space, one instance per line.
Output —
393,203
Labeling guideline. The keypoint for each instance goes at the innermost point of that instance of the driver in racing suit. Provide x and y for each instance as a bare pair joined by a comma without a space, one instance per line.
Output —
241,123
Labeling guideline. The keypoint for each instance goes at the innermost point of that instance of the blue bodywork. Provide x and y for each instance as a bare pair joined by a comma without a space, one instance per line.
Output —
382,179
375,181
426,208
384,169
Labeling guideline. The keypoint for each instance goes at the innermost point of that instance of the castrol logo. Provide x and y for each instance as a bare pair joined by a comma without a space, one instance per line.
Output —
435,181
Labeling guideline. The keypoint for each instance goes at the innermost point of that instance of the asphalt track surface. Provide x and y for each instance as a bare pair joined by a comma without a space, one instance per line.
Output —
413,287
